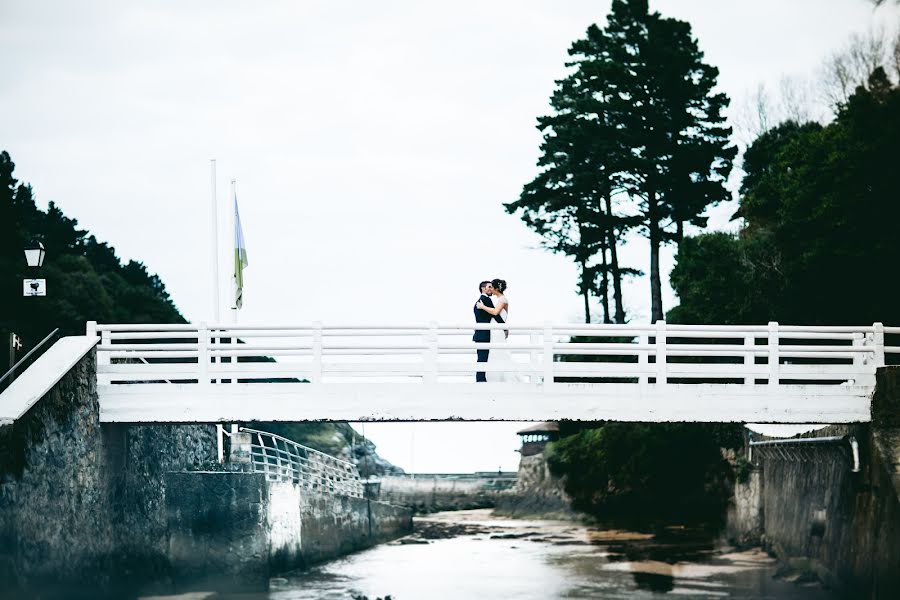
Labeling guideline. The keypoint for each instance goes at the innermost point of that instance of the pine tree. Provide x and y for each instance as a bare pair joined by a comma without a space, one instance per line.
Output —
672,125
570,202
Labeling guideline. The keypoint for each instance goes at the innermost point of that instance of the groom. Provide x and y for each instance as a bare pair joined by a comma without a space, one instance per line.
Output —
481,316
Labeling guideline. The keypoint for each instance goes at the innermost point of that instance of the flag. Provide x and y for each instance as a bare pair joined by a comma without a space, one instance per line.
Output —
240,257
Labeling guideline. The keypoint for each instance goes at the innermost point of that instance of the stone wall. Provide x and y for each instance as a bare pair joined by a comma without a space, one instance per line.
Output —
431,493
336,525
217,523
533,492
234,530
744,516
537,492
53,502
82,504
844,526
811,510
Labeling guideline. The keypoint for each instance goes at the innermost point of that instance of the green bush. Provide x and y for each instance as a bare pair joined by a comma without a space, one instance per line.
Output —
646,472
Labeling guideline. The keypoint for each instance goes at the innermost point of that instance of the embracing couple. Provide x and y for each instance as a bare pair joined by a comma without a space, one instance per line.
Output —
492,305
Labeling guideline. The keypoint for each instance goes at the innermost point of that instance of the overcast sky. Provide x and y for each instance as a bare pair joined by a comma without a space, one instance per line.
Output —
373,144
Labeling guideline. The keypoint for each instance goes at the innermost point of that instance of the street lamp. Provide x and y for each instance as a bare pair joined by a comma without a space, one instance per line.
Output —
34,254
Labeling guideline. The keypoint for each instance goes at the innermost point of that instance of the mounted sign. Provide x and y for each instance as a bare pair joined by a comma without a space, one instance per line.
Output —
34,287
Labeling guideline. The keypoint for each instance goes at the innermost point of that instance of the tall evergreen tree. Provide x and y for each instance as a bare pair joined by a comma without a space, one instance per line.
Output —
570,202
637,116
672,124
597,76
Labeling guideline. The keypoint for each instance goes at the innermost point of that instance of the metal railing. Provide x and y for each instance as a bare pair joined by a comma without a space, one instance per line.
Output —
803,449
32,355
654,354
281,459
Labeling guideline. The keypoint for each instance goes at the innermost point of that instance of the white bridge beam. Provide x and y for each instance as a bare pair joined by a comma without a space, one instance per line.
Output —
485,402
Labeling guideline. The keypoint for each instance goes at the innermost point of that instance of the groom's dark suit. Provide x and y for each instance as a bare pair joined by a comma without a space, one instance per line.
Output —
483,335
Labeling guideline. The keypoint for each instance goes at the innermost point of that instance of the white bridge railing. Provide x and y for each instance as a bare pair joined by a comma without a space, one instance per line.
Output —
656,354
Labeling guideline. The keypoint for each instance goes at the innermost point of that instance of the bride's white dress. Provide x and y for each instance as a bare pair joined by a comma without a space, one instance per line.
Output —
501,356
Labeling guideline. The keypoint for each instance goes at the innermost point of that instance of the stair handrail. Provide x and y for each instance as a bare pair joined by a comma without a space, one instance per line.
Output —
12,370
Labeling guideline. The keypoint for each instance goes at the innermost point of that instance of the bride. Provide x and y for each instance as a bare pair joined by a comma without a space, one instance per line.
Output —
499,356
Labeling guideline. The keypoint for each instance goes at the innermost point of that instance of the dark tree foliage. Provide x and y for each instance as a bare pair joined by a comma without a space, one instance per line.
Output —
821,207
85,279
721,278
635,123
643,473
569,203
673,125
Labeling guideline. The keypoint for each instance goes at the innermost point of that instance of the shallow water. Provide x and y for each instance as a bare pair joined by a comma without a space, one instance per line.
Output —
542,560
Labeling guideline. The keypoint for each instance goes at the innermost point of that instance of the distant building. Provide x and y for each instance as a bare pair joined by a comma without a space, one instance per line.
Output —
535,438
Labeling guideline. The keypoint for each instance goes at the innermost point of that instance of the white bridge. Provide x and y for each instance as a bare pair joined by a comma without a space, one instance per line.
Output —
416,372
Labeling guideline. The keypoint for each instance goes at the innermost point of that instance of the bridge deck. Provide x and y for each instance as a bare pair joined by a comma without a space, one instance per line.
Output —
244,402
769,373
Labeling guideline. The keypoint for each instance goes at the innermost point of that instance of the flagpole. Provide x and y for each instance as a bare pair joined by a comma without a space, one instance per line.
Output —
214,233
234,250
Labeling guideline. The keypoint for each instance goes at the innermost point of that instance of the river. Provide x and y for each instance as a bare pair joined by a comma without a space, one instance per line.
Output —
474,555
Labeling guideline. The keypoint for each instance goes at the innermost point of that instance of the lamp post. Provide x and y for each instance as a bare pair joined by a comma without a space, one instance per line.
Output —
34,256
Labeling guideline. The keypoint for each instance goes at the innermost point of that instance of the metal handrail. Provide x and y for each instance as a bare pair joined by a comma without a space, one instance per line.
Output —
802,441
11,372
305,466
789,441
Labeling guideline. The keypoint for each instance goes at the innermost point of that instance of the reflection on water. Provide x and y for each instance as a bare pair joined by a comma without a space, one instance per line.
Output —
540,560
655,582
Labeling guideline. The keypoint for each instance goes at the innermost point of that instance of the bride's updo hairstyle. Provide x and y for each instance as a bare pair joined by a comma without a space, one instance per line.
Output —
499,285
